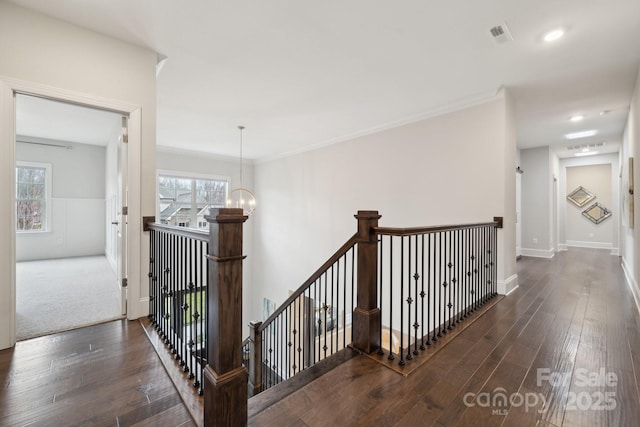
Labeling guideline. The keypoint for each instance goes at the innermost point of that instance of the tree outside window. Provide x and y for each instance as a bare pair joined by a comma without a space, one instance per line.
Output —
32,196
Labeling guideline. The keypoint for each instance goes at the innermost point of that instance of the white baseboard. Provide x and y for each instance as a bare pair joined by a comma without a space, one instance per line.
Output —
591,245
518,251
562,247
615,251
505,287
112,262
538,253
633,285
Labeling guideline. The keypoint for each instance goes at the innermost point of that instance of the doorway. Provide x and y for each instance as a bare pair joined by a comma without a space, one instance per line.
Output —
71,186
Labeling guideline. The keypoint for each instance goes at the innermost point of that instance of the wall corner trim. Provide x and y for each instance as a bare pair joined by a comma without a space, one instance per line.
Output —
538,253
633,285
505,287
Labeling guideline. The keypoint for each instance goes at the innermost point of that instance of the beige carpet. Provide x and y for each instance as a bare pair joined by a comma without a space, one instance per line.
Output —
61,294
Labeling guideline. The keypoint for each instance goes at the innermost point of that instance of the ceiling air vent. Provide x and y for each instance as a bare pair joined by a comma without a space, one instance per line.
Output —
585,146
501,34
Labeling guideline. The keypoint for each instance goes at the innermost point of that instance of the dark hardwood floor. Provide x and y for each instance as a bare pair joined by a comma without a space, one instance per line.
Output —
568,336
103,375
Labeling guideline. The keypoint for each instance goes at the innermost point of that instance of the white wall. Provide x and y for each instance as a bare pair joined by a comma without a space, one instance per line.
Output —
555,191
631,148
537,188
518,205
600,175
207,164
78,182
454,168
48,56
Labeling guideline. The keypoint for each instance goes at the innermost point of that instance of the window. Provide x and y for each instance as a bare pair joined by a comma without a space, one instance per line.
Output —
33,195
184,201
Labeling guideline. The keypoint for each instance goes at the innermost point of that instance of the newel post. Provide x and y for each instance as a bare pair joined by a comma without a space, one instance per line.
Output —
366,316
255,361
225,391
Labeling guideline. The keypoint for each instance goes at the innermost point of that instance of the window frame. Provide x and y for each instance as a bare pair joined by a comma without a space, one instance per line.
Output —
189,176
48,226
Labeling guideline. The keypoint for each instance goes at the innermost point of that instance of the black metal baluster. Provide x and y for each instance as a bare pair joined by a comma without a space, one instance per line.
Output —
276,349
338,308
282,346
455,281
422,294
202,320
269,358
416,277
313,324
325,307
150,275
161,277
286,349
391,356
165,288
171,333
300,328
429,285
443,287
485,270
409,300
183,301
467,276
180,301
380,296
470,273
154,278
458,290
267,353
495,261
450,277
401,349
333,308
317,315
435,286
481,268
344,298
476,260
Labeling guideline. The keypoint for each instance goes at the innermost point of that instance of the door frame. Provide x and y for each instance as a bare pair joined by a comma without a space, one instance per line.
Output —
9,87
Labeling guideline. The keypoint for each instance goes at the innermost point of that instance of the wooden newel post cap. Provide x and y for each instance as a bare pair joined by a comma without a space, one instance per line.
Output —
226,215
368,215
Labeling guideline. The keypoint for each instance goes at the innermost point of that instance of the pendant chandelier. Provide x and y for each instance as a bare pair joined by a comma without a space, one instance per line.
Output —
241,197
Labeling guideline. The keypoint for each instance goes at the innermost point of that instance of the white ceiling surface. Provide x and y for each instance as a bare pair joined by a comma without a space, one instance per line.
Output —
56,121
299,74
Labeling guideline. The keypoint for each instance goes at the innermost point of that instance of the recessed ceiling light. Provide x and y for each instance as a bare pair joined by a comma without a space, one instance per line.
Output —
582,134
576,118
554,35
589,153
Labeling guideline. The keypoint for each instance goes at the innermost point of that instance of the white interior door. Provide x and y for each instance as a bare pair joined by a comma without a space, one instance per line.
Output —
121,219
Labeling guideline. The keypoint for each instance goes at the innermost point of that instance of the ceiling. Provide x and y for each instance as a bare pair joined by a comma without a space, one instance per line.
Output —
56,121
300,75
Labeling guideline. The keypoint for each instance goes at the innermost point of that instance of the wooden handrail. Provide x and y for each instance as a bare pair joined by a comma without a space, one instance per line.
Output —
315,276
191,233
412,231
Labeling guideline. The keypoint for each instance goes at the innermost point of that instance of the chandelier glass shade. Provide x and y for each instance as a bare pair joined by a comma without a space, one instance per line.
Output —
241,197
